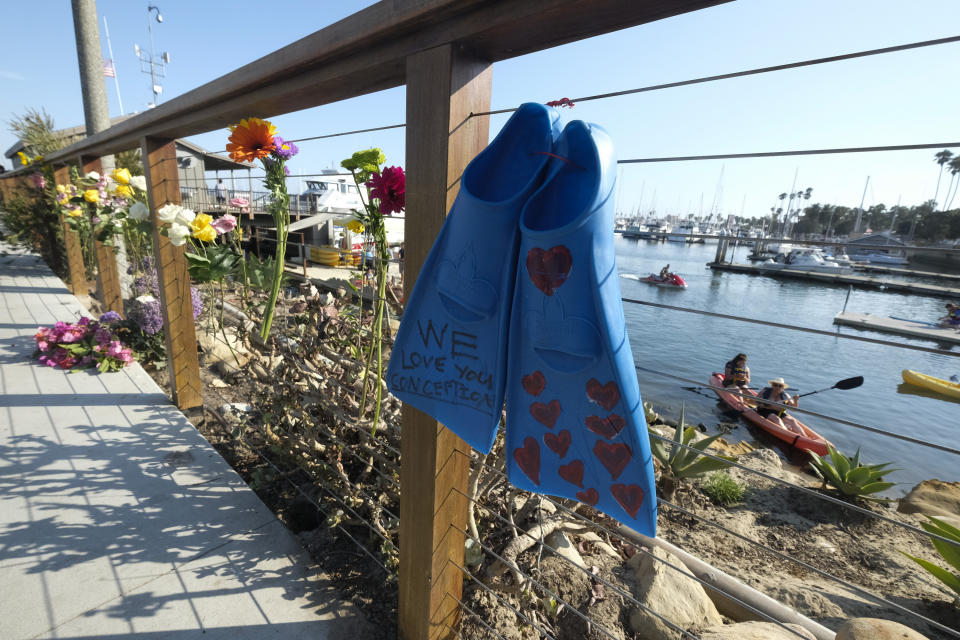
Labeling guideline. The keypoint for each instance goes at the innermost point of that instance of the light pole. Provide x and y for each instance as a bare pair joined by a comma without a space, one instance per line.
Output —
149,63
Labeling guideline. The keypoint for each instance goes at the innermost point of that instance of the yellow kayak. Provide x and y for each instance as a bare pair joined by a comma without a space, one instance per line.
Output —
939,385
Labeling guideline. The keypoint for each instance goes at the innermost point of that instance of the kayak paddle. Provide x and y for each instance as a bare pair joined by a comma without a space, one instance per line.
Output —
843,385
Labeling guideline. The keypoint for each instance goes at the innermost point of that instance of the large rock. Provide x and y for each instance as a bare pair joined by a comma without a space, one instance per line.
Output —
669,593
875,629
559,541
756,631
932,498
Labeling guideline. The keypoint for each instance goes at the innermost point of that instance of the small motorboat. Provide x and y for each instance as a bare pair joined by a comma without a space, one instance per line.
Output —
796,434
930,383
672,281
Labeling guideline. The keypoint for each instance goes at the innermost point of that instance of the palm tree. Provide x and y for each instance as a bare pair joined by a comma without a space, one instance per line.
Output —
942,158
954,170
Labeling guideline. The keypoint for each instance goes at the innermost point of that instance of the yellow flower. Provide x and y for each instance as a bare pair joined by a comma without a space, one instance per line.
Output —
61,188
124,190
37,159
122,176
356,226
199,222
74,212
91,195
24,160
206,234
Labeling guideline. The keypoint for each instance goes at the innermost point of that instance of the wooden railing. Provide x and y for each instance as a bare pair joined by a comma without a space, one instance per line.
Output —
443,51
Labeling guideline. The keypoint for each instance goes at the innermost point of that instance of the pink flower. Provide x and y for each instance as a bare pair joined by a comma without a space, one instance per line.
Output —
224,224
38,180
390,188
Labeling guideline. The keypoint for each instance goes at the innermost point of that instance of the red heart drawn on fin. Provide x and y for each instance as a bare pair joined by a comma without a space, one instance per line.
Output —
607,427
528,459
534,383
546,414
590,496
614,457
548,269
558,443
630,497
572,473
605,395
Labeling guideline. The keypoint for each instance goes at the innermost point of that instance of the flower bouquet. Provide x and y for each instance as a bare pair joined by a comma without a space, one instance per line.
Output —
83,344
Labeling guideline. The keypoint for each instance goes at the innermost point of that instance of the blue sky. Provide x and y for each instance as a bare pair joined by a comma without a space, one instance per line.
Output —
899,98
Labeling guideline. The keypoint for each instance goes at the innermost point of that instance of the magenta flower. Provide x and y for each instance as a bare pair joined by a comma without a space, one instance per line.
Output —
390,188
38,180
224,224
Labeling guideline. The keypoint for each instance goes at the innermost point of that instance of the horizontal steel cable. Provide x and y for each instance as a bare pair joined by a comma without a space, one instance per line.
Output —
474,614
502,601
782,555
544,589
780,325
680,83
849,423
628,596
810,567
799,152
759,70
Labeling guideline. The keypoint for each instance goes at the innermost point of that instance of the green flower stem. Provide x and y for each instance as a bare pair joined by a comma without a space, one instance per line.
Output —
279,208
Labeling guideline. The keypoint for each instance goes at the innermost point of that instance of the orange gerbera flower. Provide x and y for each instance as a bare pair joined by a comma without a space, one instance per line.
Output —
251,139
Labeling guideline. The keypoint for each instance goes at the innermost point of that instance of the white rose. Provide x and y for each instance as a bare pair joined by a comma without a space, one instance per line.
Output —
139,182
168,213
139,211
178,234
145,298
93,175
185,217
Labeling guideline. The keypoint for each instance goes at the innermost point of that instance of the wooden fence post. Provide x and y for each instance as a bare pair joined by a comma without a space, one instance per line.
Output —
443,88
108,279
71,242
173,277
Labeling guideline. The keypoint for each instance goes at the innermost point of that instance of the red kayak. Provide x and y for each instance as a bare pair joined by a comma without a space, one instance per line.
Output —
796,434
672,280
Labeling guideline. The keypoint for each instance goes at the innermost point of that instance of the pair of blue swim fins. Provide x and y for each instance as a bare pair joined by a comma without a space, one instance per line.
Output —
519,297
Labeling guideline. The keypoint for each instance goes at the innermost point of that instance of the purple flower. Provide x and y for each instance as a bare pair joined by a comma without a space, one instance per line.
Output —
284,149
110,317
286,170
145,313
38,180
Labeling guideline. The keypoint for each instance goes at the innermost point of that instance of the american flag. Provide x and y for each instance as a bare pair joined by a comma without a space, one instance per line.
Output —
108,70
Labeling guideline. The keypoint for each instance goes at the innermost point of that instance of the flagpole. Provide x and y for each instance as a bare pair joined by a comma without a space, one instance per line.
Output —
116,80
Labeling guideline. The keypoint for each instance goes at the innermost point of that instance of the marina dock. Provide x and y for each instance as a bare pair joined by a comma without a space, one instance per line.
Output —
864,282
886,324
900,271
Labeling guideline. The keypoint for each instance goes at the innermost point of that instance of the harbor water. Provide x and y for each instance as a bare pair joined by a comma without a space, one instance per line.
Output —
693,346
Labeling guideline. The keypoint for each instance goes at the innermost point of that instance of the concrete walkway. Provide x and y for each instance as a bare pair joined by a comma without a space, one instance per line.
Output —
117,518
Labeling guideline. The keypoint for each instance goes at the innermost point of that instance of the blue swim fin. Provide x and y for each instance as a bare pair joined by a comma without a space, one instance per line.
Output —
449,356
575,421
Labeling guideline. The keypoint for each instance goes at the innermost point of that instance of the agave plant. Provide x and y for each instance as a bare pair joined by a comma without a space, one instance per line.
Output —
849,476
949,552
681,459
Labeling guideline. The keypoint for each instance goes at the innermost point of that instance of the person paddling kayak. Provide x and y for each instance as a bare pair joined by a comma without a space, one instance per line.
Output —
952,319
776,392
736,372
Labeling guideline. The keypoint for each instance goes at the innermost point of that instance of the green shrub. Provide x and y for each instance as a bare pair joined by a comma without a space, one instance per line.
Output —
849,477
723,489
949,552
681,462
